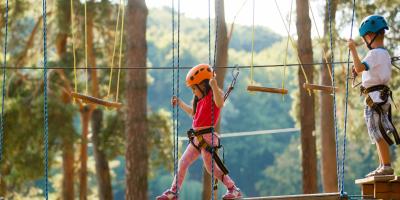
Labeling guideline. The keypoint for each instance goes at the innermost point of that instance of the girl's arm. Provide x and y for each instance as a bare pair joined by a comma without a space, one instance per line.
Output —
188,109
217,92
358,65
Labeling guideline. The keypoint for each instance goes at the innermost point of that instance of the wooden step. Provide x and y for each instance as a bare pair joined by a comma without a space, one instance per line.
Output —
380,187
321,196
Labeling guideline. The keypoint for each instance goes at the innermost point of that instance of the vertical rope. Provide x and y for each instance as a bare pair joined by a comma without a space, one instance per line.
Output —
73,44
287,48
173,94
86,60
120,50
346,103
177,92
252,48
3,85
114,49
212,99
334,93
46,135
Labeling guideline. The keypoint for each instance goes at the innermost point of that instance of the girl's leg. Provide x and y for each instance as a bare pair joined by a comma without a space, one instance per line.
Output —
225,179
188,157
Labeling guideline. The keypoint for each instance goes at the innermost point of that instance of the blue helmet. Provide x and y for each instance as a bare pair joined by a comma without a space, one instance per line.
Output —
372,23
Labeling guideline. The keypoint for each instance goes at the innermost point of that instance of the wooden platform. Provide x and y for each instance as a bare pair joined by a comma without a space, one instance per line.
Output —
320,196
380,187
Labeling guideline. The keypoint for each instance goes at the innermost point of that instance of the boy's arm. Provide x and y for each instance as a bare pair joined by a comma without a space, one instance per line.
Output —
217,92
358,65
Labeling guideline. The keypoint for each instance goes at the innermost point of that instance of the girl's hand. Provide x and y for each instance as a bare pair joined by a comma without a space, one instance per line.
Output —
351,44
213,82
174,101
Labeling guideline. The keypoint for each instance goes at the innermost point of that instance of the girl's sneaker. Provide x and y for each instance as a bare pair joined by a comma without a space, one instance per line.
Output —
167,195
232,193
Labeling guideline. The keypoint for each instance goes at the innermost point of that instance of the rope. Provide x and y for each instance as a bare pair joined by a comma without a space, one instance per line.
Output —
177,92
137,67
212,98
174,118
293,45
120,52
86,59
346,103
3,86
252,49
46,134
319,37
287,49
114,48
73,44
334,92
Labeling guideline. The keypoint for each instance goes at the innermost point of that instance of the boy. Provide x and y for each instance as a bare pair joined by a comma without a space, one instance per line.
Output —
376,73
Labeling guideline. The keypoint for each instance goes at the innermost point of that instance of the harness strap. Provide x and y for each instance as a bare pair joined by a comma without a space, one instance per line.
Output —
204,145
377,107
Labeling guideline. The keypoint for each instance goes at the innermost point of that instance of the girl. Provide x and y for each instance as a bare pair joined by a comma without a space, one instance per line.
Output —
205,89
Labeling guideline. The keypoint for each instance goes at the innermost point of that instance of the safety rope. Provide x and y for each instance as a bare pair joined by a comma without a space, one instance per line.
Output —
346,103
177,93
334,92
46,133
212,97
3,85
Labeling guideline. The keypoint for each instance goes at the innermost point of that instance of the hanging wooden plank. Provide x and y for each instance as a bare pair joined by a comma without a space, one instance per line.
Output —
93,100
267,89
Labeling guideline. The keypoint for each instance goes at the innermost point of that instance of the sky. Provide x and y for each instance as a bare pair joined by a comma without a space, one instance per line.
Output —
265,12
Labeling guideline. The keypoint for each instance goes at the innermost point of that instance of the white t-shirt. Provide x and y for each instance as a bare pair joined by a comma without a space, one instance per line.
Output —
378,70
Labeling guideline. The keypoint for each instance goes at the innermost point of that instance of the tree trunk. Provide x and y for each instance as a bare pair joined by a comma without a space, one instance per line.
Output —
85,117
102,168
221,60
136,129
63,16
308,146
328,144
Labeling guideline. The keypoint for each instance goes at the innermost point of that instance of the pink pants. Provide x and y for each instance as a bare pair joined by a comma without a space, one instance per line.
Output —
191,154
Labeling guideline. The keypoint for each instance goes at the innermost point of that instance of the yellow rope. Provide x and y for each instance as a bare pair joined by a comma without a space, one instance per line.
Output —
120,51
252,50
114,49
86,65
294,46
73,45
320,39
287,48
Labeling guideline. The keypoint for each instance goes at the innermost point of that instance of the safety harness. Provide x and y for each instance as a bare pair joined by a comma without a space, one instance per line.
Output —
385,94
191,133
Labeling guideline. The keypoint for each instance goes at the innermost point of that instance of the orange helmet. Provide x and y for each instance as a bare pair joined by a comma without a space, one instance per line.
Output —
198,74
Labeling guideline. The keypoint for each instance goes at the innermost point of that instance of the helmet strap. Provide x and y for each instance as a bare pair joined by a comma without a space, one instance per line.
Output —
372,41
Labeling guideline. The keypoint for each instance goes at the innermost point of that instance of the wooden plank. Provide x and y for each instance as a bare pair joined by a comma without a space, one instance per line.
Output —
383,196
320,196
374,179
367,189
323,88
382,187
396,187
266,89
94,100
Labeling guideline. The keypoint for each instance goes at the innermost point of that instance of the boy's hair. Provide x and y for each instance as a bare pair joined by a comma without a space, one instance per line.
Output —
206,83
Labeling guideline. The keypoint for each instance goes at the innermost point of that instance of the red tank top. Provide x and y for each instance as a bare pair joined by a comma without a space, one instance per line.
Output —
202,117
